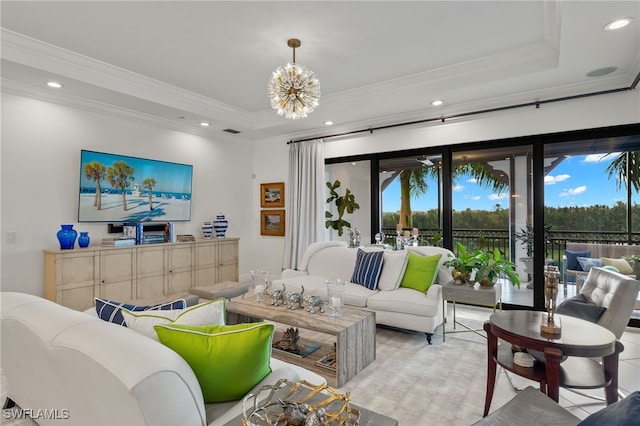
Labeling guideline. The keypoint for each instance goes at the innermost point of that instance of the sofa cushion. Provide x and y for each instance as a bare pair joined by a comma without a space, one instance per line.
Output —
405,300
421,271
333,263
393,267
620,264
367,268
572,259
586,263
108,310
228,360
578,306
357,295
211,312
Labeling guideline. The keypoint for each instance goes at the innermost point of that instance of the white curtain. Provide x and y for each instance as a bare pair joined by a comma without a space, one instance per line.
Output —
305,195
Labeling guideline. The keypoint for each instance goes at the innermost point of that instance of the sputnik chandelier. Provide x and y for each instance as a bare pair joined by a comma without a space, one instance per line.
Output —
294,90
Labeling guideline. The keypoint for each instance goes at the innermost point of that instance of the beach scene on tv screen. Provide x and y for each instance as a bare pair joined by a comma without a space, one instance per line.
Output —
116,188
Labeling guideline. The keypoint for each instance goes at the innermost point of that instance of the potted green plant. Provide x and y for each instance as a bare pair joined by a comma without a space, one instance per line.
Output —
464,265
344,204
488,266
495,266
525,236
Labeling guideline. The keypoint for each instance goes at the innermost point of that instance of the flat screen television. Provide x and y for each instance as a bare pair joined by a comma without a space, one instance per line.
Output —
118,188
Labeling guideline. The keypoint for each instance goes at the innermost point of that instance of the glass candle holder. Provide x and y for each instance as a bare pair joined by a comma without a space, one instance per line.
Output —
260,282
335,296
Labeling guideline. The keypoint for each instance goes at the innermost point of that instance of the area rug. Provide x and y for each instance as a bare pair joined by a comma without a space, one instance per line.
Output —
419,384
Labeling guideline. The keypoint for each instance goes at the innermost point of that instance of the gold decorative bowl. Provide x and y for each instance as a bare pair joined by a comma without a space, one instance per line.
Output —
298,404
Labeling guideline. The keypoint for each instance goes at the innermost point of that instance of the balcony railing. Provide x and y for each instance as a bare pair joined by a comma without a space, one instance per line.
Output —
491,239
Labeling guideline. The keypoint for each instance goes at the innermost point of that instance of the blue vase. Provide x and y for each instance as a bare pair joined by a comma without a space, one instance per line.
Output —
67,237
220,225
83,240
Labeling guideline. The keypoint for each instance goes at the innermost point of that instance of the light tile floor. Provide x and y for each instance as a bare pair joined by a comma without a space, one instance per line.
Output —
580,406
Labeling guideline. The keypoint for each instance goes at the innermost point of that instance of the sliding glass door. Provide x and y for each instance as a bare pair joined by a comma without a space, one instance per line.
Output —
591,206
492,204
410,196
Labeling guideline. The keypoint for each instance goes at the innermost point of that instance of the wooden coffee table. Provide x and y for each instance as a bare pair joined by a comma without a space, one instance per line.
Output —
354,335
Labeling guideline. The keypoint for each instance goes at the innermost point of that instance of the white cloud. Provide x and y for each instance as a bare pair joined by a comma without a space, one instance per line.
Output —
472,180
458,188
595,158
573,191
498,196
476,197
552,180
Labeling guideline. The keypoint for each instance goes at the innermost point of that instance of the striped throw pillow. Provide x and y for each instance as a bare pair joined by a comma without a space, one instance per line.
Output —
108,310
368,268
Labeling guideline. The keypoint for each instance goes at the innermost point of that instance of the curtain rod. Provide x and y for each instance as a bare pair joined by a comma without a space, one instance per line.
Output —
470,113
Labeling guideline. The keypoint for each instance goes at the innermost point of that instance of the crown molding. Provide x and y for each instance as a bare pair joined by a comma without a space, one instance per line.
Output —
42,94
34,53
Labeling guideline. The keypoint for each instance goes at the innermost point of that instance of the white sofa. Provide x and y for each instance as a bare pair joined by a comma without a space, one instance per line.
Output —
97,373
394,306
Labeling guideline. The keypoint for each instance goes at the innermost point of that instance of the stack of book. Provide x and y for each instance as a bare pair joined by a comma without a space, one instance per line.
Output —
152,238
118,242
186,237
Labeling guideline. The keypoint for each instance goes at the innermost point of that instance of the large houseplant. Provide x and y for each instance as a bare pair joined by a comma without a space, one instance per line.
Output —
344,204
487,265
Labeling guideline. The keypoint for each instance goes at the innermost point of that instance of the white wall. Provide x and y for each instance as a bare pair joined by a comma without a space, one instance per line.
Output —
271,164
41,145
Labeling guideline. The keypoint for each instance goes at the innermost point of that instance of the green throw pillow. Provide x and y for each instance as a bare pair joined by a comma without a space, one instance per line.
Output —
421,271
228,360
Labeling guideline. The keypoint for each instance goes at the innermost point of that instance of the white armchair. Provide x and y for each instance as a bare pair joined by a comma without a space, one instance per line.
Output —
617,293
614,291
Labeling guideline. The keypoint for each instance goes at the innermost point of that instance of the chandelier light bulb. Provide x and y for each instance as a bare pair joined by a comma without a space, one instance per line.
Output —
294,91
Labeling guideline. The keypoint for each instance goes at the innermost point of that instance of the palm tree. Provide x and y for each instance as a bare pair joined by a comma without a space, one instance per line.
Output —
483,175
149,183
413,183
120,175
95,172
618,168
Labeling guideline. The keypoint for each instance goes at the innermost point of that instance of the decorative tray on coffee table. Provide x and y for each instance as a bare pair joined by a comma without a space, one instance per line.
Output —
300,403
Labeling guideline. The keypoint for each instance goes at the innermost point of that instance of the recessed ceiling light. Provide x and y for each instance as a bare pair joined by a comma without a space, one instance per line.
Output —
205,124
54,84
437,102
328,123
617,24
601,71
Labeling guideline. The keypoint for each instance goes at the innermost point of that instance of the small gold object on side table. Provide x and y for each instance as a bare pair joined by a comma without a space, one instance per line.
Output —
549,328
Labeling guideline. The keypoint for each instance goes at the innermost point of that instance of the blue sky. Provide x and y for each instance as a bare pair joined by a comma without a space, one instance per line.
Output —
577,181
170,177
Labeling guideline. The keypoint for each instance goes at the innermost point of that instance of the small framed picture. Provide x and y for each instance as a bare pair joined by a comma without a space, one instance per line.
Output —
272,222
272,195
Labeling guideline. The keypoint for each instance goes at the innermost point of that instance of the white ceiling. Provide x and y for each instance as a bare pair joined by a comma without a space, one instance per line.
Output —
378,62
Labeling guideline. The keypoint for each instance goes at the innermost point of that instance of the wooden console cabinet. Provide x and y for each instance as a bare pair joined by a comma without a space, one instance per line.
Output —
73,278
